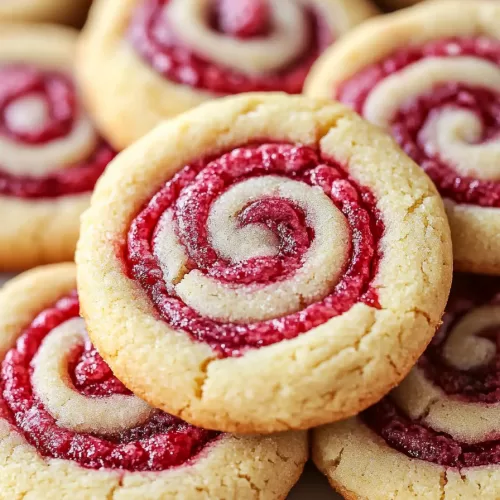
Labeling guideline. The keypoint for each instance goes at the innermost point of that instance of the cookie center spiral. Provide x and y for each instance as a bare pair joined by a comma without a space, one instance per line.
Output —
441,102
258,245
447,410
58,392
48,145
230,47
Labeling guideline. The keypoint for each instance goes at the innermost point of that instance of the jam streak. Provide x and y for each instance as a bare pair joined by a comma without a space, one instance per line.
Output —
409,121
479,385
155,40
56,92
160,443
193,190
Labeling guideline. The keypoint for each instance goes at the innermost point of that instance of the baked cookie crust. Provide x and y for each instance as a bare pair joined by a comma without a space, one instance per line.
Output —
42,227
324,374
436,435
475,223
230,466
128,97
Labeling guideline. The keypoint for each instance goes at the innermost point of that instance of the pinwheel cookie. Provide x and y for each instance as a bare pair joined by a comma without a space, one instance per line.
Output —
431,75
142,61
50,153
263,262
56,11
70,429
437,435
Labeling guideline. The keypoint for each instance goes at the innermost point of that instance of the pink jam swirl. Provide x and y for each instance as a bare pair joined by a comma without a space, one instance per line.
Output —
162,442
155,40
409,121
18,81
191,192
480,385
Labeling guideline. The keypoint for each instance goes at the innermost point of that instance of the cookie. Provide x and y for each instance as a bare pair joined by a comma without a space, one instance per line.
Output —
431,76
51,11
70,429
142,61
50,152
437,434
264,262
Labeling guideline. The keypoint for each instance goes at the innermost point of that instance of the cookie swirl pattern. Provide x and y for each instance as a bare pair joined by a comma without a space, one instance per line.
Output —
437,91
51,154
76,429
187,52
265,254
257,230
48,145
442,420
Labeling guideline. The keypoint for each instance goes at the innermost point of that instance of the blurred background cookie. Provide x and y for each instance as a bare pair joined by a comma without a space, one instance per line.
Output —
51,155
431,76
142,61
437,434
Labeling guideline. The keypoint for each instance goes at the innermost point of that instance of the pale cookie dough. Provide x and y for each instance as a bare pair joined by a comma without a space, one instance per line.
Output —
49,11
50,153
134,451
437,434
143,61
431,76
299,196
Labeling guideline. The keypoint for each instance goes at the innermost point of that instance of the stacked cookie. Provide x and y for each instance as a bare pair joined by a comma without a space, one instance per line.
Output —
136,68
257,265
430,76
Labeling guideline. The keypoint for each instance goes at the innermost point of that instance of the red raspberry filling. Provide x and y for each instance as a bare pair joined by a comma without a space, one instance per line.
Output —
20,81
410,120
156,41
190,194
480,385
160,443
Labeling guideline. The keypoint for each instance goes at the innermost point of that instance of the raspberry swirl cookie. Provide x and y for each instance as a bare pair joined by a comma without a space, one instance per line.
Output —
70,429
142,61
50,153
54,11
431,75
263,262
437,435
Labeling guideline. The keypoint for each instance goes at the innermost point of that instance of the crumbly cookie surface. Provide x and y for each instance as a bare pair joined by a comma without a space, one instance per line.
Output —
430,76
71,429
50,153
137,68
157,247
436,435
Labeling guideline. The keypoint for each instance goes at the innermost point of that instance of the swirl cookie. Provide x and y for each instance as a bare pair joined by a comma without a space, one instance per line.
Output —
142,61
52,11
437,434
70,429
50,153
431,76
263,262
